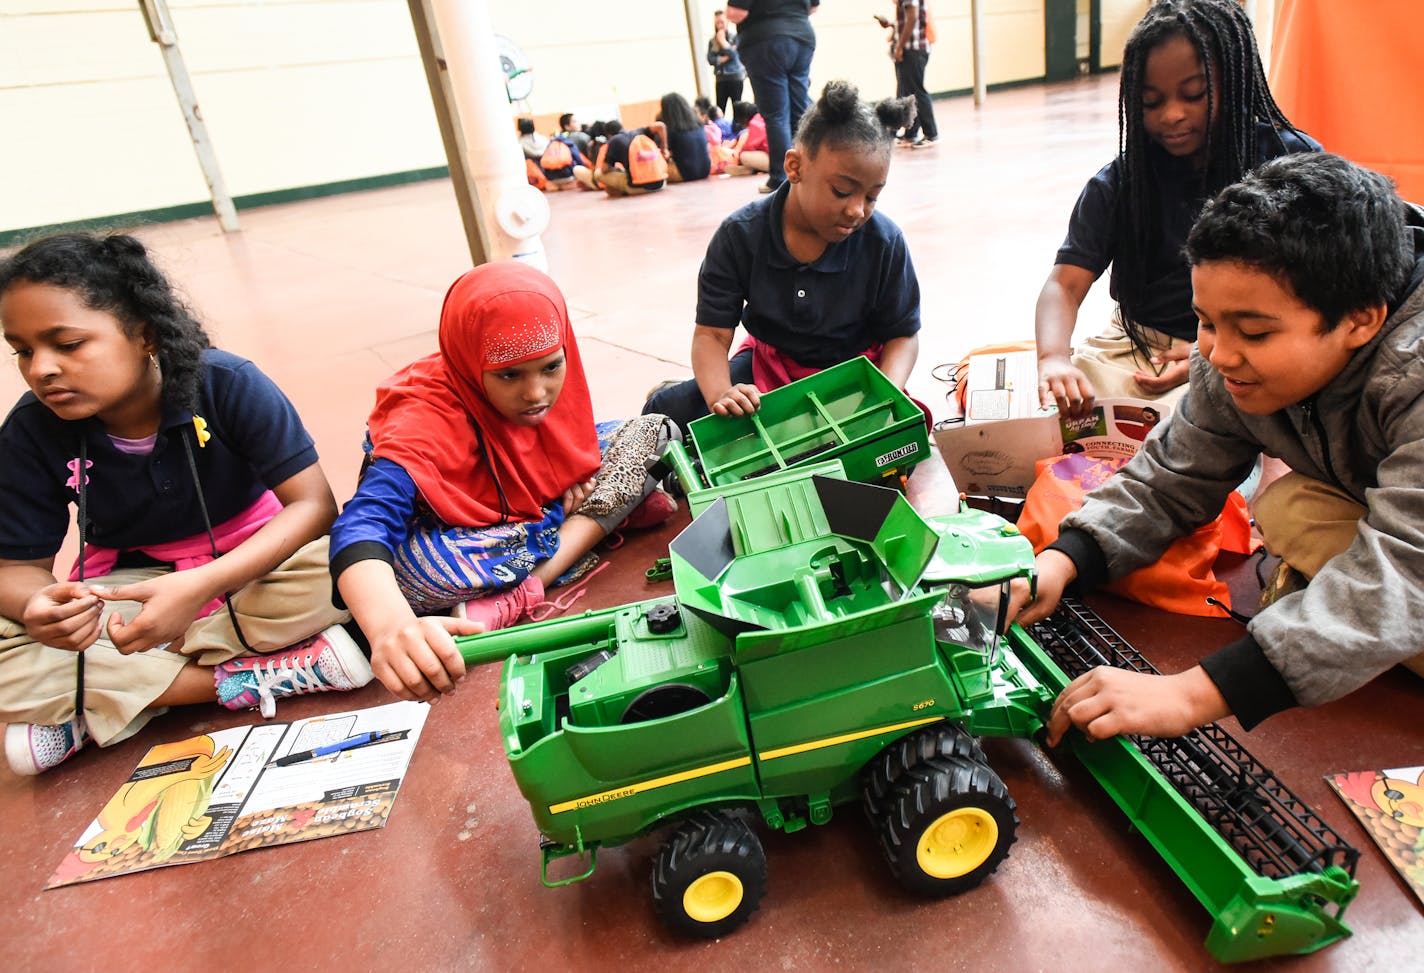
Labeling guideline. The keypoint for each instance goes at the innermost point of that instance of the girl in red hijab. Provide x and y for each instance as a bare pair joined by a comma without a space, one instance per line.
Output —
486,479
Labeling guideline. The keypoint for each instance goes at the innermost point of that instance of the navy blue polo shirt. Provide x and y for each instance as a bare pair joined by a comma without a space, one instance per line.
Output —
1181,192
258,442
689,151
773,18
860,292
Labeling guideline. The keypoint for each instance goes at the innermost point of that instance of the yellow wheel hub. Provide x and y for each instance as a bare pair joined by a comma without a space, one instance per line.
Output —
957,843
712,897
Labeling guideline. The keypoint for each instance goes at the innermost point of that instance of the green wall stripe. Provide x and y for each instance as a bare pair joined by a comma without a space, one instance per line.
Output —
186,211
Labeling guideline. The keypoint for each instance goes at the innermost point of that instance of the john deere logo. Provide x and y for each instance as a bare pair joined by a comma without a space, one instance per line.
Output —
909,449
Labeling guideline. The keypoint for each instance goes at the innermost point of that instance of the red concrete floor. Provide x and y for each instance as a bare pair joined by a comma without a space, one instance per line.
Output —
330,296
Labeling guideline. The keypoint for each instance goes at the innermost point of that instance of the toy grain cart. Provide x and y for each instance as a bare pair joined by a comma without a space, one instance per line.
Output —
828,646
850,412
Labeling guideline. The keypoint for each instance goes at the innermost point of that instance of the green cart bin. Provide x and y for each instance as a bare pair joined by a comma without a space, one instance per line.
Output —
850,412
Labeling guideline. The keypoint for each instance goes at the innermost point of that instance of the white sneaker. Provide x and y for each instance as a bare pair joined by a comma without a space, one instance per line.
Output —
33,748
327,661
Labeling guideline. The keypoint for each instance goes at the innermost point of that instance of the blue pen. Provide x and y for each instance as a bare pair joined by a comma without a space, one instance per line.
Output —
350,743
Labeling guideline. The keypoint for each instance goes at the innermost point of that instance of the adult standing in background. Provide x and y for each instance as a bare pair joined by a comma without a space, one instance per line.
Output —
776,42
726,63
911,53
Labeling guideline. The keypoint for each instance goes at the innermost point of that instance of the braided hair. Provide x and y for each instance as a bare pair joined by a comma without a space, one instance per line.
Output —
115,274
840,119
1237,98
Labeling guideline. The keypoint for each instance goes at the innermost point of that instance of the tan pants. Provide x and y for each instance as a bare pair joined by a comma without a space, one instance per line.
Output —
615,183
1109,360
1305,523
37,682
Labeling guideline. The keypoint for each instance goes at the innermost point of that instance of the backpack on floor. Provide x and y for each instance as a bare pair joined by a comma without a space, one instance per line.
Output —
646,164
557,161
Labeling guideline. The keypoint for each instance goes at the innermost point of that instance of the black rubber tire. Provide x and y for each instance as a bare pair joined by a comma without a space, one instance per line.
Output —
925,794
884,772
709,842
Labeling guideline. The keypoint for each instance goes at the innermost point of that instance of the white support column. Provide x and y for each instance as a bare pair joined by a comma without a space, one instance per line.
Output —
976,33
160,29
512,212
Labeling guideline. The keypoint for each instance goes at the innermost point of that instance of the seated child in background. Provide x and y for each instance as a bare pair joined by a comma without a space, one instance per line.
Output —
174,452
561,164
1308,283
751,147
480,489
711,117
599,134
815,274
634,162
690,158
569,128
1195,116
530,141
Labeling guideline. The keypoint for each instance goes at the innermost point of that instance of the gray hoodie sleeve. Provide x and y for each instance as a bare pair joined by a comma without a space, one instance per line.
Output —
1361,614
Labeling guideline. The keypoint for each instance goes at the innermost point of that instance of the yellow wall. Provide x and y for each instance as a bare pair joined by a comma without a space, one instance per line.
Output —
1119,17
308,92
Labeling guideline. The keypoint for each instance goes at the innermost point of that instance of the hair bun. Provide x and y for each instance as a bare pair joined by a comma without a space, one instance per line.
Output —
839,101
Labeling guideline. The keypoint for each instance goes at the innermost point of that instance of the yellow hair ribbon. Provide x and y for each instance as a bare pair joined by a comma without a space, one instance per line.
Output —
200,426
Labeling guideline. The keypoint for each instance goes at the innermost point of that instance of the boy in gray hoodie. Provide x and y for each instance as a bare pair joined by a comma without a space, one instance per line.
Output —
1308,284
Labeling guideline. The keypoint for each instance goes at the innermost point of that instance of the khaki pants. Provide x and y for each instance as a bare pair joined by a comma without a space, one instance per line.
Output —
1305,523
37,682
615,183
1109,360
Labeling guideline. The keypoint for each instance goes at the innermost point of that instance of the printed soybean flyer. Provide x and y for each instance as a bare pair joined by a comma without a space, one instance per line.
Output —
250,787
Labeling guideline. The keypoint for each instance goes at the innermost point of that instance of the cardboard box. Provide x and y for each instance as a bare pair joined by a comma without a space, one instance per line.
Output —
1004,432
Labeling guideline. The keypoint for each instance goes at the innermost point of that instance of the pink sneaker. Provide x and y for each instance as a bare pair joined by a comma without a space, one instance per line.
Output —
656,508
327,661
33,748
503,608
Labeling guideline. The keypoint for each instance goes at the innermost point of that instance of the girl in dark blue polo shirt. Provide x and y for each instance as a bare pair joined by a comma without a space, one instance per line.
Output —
1195,116
813,272
174,453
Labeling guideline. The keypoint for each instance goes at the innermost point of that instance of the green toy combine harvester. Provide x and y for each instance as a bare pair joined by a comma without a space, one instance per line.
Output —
822,649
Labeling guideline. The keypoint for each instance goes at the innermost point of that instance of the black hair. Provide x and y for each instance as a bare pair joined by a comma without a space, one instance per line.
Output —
742,114
704,105
1237,97
840,119
677,114
612,127
1335,233
564,120
114,273
526,125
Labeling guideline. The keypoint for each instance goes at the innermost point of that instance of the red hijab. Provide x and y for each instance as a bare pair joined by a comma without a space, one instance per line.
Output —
430,415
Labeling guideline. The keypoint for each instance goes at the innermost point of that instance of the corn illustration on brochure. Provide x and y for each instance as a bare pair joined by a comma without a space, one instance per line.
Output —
1390,805
250,787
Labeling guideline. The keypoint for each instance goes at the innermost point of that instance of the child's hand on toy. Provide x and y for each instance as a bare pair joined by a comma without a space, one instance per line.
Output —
418,659
1106,702
575,495
739,400
1056,571
64,615
170,603
1063,384
1175,373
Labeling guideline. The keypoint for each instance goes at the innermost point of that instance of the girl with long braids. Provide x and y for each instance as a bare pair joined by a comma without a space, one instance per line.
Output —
1194,115
201,511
